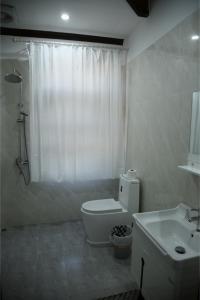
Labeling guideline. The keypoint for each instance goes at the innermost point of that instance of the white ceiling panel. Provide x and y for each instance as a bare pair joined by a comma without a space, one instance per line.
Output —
113,18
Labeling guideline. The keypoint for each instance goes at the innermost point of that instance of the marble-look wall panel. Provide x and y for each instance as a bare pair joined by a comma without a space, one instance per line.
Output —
37,202
1,101
161,81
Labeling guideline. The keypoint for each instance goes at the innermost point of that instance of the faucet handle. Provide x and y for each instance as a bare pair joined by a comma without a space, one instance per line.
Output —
195,209
187,214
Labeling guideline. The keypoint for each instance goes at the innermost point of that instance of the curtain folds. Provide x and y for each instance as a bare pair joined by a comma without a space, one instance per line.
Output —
77,112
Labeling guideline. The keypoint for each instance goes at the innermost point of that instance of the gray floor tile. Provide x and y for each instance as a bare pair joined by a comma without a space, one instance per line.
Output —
54,262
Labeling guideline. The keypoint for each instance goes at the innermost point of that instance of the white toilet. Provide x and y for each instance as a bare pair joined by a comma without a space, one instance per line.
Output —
100,216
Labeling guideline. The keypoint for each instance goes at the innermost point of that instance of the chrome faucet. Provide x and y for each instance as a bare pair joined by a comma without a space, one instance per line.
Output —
190,217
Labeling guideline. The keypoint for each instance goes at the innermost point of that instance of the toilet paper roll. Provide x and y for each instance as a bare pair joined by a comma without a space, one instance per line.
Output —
131,173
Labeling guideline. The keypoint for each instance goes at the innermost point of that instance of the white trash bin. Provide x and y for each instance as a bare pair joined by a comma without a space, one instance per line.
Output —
121,239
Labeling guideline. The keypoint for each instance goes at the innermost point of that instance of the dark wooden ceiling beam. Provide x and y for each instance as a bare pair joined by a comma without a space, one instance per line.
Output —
60,36
141,7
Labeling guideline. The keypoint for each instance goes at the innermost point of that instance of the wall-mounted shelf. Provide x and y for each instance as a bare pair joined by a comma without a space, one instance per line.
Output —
190,169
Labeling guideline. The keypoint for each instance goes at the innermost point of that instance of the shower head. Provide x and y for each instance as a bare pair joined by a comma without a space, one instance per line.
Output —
14,77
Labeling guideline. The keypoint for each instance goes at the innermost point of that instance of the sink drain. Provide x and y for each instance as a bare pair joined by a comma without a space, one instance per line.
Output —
180,250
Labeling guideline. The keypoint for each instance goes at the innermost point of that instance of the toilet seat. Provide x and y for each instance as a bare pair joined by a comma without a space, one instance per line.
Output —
102,206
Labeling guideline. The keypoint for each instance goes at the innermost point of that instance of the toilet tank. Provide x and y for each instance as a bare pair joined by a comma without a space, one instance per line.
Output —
129,193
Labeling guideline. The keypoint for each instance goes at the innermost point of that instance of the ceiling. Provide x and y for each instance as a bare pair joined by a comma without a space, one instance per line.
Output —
113,18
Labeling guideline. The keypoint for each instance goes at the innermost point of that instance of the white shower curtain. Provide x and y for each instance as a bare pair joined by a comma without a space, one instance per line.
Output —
77,112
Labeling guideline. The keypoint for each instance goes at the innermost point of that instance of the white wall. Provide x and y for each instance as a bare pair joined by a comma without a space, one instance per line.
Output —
165,15
160,84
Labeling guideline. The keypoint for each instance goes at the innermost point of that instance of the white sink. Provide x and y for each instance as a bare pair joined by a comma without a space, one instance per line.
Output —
167,274
169,229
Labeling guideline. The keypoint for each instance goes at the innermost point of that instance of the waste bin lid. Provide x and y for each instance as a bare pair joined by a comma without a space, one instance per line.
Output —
121,230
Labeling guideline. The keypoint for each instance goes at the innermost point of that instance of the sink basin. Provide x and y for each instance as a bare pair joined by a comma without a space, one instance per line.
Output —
171,232
166,248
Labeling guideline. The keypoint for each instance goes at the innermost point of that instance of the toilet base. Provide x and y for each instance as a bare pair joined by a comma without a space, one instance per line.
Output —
98,226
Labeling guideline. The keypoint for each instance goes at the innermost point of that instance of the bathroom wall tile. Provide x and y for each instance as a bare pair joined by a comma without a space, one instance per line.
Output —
161,81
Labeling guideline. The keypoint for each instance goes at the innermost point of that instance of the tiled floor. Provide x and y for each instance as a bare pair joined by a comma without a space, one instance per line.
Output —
54,262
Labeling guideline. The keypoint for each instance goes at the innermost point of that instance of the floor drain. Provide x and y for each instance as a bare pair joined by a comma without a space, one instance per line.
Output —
180,249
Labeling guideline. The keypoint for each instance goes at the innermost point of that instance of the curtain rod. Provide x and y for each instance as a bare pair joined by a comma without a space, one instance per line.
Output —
18,40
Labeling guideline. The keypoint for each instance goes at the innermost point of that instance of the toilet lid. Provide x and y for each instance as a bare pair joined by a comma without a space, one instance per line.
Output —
102,206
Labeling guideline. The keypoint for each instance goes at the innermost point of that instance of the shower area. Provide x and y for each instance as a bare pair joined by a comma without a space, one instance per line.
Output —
25,202
41,215
15,137
22,160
